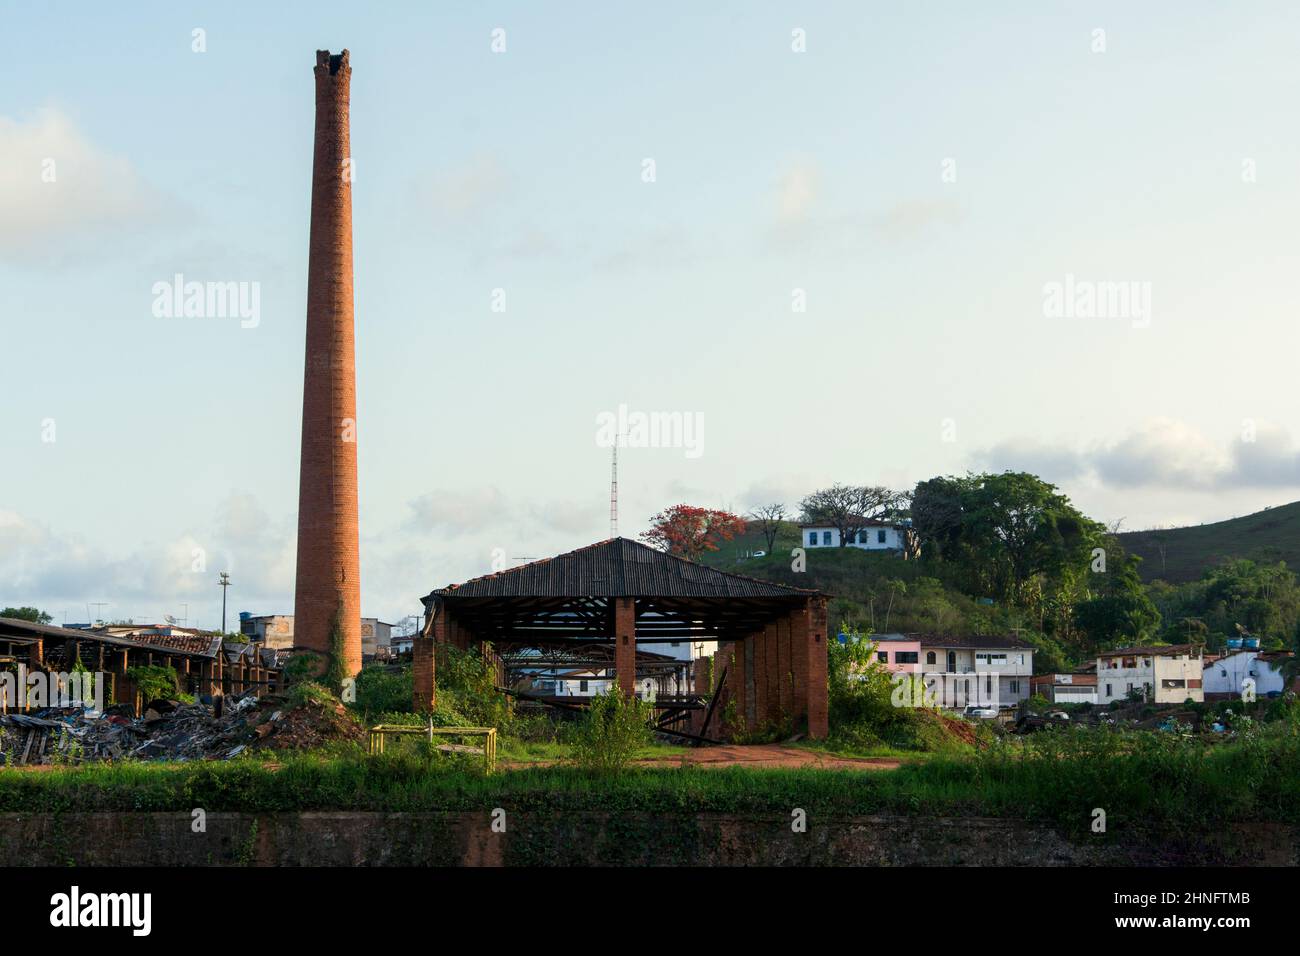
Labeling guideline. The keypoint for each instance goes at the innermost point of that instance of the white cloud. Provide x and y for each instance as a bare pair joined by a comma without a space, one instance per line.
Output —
1162,453
54,569
464,191
797,192
63,196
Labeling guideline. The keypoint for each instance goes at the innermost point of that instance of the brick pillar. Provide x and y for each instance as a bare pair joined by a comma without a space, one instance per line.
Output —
36,657
783,675
750,681
769,687
818,721
800,638
758,642
422,673
328,584
625,643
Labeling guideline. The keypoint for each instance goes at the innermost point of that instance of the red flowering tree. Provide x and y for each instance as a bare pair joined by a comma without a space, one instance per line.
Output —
689,532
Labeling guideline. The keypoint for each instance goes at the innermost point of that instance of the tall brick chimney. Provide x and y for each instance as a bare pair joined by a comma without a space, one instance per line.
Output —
328,589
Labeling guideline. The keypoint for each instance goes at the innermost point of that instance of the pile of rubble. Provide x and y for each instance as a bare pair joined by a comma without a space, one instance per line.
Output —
171,730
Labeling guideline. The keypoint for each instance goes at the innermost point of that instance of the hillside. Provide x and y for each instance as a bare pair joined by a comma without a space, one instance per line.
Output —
1178,555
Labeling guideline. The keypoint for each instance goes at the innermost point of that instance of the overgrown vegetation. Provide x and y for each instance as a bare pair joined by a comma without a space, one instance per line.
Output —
155,682
610,733
466,697
1057,778
870,709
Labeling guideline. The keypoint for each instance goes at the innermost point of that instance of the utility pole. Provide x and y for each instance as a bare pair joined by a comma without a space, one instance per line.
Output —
223,584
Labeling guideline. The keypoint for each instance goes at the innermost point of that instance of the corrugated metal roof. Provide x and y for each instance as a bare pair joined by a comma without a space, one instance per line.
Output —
617,567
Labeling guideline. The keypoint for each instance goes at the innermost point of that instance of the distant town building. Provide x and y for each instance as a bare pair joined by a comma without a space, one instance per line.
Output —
1225,677
898,653
962,671
275,631
872,536
376,638
1169,674
1073,688
270,630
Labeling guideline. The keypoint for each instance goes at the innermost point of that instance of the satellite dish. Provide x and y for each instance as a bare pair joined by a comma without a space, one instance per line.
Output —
170,619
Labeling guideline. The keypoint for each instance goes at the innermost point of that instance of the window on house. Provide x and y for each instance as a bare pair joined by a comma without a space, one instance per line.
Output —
812,539
582,686
1108,691
880,536
905,657
882,656
862,537
826,537
1013,686
929,657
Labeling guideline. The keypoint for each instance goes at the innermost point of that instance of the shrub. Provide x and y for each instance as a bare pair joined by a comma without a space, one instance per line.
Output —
384,689
614,728
155,683
862,697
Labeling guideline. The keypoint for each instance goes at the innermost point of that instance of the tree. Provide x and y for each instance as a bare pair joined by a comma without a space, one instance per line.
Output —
1118,611
688,532
1005,530
35,615
769,518
937,510
850,509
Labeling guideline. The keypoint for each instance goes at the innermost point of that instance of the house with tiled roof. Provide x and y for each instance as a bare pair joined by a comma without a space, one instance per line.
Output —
964,670
1162,674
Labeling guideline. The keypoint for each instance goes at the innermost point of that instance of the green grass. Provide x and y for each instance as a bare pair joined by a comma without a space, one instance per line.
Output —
1267,536
1056,779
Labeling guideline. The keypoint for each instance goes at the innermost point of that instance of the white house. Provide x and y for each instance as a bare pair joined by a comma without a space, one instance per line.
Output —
960,671
1072,688
1165,675
667,663
1225,677
872,536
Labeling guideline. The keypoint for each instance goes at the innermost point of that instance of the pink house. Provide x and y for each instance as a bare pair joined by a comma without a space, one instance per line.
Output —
898,653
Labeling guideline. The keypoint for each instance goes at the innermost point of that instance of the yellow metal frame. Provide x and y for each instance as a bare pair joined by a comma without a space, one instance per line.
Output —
489,735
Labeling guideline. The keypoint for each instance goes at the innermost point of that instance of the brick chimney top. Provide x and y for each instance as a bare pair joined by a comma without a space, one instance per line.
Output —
338,63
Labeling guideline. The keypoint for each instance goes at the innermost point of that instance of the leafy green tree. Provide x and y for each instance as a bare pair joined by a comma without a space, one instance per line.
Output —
35,615
1118,610
1005,530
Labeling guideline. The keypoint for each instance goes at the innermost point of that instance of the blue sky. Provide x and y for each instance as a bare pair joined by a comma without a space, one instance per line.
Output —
1169,158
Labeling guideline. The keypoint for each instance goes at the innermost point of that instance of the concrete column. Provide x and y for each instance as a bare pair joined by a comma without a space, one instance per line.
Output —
625,644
